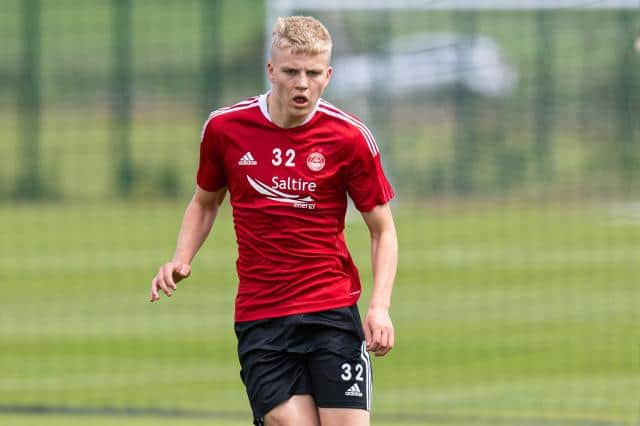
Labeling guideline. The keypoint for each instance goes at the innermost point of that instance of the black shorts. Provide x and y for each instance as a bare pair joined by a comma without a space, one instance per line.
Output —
321,354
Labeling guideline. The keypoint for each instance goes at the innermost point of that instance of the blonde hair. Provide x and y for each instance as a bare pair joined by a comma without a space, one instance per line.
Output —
301,34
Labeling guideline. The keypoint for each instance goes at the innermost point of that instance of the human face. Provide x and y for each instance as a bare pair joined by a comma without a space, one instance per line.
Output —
297,83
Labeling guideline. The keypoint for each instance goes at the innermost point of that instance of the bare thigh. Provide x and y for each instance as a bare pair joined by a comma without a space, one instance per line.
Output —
299,410
343,416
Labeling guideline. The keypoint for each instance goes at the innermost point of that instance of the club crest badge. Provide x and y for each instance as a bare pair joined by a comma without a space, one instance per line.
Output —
315,161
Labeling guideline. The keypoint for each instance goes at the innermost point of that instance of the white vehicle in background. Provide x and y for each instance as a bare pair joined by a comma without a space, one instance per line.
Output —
425,62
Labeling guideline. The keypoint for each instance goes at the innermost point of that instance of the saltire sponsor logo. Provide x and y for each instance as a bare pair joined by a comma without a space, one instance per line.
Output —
297,201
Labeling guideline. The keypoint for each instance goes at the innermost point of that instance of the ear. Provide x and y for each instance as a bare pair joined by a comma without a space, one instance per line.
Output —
270,70
329,74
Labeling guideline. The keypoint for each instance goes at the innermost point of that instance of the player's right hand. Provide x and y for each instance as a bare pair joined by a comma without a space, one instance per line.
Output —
167,277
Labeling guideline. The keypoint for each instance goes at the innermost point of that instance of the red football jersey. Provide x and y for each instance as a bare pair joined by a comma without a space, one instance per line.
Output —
288,190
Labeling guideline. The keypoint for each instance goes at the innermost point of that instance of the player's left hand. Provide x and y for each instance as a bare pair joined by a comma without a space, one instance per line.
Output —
378,331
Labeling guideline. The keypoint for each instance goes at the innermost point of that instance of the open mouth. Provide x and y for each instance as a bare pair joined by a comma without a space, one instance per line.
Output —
300,100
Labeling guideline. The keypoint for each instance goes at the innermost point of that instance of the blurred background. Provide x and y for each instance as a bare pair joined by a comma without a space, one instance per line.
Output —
509,130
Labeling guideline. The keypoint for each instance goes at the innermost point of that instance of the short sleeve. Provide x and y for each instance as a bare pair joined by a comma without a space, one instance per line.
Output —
367,184
211,176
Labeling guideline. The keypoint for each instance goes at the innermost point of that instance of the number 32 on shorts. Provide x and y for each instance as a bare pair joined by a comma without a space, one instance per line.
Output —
347,372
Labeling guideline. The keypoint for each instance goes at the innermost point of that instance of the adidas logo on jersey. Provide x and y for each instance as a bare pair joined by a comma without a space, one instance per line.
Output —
353,391
247,160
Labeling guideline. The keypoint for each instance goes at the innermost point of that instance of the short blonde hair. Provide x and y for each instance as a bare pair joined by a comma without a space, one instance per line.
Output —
302,34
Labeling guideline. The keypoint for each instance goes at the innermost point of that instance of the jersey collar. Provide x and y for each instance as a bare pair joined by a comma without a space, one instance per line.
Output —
262,102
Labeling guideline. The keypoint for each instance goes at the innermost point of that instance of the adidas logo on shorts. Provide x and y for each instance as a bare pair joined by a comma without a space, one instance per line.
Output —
247,160
354,391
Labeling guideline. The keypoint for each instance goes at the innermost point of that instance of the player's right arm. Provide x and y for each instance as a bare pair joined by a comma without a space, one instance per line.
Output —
196,224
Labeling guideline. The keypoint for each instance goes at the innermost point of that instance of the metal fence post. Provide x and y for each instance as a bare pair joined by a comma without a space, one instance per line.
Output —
211,55
121,92
626,102
544,94
29,183
464,111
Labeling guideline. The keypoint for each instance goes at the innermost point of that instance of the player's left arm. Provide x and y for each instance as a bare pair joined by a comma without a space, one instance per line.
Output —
378,327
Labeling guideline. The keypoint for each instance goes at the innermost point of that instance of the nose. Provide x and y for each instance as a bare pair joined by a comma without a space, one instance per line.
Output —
302,82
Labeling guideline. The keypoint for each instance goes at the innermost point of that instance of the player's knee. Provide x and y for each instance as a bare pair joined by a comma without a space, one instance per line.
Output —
299,410
282,418
276,419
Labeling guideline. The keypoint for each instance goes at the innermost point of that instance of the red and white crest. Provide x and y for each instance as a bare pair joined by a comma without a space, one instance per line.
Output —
315,161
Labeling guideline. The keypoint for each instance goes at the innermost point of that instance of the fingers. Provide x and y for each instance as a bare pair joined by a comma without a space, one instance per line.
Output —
165,280
158,284
182,272
154,291
379,334
386,343
376,337
381,342
166,273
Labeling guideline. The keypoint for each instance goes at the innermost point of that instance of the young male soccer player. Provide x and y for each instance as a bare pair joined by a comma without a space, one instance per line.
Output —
289,159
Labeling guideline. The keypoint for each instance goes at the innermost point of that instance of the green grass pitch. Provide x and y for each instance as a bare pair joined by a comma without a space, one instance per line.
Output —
506,314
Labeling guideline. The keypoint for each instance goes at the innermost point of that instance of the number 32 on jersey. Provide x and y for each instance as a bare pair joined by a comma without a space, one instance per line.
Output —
289,157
